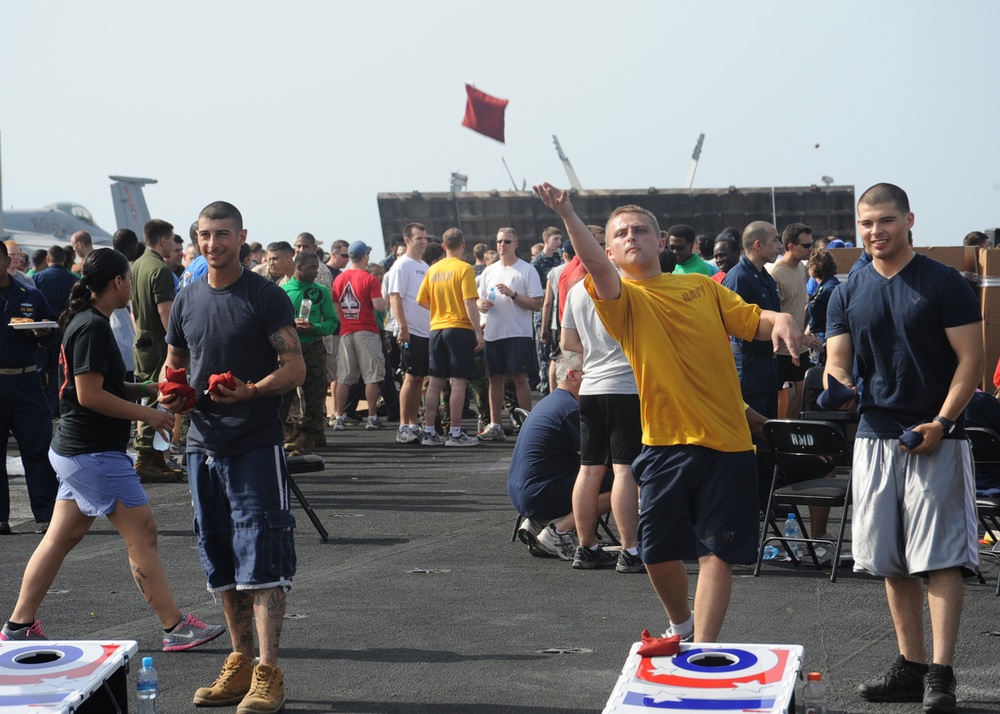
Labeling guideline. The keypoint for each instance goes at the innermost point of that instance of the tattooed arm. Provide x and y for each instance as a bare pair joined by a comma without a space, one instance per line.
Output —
291,371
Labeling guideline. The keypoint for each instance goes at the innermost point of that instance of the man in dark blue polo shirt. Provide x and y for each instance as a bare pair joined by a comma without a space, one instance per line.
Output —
755,364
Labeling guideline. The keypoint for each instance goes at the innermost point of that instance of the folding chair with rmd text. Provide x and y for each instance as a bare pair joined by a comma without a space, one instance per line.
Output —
803,451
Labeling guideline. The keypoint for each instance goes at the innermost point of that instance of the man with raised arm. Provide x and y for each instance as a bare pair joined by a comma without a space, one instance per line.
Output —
239,323
696,470
912,329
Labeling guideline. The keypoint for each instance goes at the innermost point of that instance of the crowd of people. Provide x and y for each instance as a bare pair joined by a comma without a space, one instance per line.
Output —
230,357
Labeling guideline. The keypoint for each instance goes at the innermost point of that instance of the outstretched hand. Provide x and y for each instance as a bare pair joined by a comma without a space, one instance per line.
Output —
555,198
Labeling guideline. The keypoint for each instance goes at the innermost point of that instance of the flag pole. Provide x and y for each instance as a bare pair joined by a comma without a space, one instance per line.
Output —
509,175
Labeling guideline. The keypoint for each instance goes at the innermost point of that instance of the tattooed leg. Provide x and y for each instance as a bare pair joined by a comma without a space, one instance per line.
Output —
138,528
269,610
238,608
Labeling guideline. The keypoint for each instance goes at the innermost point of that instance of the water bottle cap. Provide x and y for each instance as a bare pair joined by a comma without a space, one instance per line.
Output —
814,677
147,662
791,516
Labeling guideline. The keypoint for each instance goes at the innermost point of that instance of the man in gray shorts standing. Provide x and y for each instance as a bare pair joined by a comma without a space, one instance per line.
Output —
913,327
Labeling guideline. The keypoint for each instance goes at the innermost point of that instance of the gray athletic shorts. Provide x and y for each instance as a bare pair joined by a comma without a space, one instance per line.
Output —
913,514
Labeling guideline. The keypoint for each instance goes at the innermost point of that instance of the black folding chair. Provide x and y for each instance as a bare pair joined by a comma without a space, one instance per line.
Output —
986,452
803,449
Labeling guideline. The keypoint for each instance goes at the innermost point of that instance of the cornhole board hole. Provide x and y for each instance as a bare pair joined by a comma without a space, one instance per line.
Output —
71,676
707,678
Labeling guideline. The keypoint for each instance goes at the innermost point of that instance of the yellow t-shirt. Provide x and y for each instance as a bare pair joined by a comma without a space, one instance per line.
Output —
675,330
446,287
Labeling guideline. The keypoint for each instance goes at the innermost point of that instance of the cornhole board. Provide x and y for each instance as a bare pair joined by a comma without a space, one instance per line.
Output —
70,676
707,678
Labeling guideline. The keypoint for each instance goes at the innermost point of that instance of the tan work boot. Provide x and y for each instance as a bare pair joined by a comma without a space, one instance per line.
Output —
319,438
230,686
305,444
267,692
292,432
152,469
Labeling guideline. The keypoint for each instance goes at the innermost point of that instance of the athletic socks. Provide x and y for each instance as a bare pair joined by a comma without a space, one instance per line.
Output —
683,628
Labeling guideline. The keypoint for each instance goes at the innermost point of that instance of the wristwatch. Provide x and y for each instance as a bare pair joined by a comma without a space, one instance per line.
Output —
514,296
948,424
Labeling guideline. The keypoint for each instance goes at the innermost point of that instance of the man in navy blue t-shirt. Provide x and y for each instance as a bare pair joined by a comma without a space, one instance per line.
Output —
239,322
912,326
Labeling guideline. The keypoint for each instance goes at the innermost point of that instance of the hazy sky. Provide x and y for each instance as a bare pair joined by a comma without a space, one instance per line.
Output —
301,112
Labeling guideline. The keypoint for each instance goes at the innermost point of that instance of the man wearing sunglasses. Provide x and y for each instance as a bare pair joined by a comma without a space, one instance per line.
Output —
789,272
509,292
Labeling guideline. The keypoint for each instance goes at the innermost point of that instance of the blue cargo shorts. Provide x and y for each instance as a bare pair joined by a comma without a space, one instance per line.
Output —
242,519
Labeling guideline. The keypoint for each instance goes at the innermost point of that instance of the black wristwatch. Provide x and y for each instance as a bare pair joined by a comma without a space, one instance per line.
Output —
948,424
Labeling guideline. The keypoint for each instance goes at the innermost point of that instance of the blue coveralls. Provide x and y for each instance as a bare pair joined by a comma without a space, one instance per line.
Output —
755,363
24,409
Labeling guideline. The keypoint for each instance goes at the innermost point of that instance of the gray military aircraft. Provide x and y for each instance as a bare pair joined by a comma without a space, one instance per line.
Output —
55,223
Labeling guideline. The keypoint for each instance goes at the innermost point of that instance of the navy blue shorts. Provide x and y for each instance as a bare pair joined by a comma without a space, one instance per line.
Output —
415,359
695,501
510,356
610,429
453,352
242,519
553,499
789,372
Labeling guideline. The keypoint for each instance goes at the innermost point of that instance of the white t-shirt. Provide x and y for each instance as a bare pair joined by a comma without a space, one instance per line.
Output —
553,280
606,370
505,319
404,277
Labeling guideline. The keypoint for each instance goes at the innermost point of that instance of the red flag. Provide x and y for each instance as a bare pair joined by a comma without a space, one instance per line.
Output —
484,113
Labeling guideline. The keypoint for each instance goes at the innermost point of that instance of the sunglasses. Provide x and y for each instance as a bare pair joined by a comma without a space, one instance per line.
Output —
805,245
343,255
505,242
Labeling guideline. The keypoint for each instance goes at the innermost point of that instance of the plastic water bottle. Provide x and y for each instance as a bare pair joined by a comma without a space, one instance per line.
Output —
159,443
792,531
814,694
145,687
770,552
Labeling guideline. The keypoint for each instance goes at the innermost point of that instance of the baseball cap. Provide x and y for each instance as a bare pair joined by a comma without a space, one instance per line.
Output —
358,249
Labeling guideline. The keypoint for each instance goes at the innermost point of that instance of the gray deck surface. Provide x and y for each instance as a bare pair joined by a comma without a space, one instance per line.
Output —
365,633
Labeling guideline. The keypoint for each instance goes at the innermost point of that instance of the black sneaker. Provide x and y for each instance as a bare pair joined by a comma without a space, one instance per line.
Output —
628,563
939,689
587,559
903,682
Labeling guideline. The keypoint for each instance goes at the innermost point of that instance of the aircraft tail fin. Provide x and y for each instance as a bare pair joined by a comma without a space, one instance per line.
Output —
129,202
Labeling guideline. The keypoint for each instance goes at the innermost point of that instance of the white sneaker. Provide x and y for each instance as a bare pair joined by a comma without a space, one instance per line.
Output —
431,439
494,432
462,439
560,545
407,435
